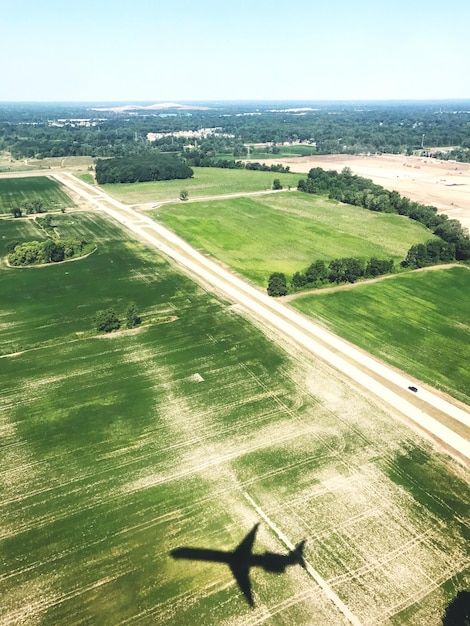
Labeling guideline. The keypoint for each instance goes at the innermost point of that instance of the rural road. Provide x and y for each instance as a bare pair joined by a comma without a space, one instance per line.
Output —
444,420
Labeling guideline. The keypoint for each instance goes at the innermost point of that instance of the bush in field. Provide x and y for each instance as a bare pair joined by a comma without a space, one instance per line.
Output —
107,321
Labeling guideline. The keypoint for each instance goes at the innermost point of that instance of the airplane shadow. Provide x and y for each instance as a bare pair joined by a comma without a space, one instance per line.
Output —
242,559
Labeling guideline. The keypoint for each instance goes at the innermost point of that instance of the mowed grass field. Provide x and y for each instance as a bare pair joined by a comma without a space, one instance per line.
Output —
418,322
207,181
15,191
116,450
289,231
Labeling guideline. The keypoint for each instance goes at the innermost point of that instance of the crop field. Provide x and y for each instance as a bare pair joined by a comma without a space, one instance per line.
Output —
207,181
117,450
418,322
287,232
15,191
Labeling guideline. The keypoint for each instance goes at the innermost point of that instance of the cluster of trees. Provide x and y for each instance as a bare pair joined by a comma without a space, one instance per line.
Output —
345,270
107,321
52,250
432,252
359,191
147,167
28,207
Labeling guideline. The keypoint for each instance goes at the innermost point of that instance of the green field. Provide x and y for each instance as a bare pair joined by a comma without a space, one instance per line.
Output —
287,232
15,191
116,450
418,322
207,181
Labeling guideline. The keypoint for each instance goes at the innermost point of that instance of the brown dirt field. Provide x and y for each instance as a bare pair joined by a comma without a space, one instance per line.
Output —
442,184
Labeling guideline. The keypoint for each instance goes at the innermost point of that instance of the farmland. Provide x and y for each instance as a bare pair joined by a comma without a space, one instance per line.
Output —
15,191
118,449
207,181
417,322
287,232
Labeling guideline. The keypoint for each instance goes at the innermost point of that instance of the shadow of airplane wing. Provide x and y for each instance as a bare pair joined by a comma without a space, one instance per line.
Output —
240,564
241,573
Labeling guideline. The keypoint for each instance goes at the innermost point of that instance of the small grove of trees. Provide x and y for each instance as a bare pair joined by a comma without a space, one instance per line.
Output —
52,250
107,321
144,167
432,252
346,270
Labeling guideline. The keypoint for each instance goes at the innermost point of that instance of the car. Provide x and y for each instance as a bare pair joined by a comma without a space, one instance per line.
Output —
412,388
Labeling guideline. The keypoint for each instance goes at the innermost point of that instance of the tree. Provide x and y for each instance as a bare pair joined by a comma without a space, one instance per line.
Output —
16,212
277,285
132,317
317,273
298,280
277,184
184,195
107,321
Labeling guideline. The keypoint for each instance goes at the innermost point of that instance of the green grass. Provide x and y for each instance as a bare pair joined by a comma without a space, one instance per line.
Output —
207,181
418,322
15,191
287,232
113,453
87,178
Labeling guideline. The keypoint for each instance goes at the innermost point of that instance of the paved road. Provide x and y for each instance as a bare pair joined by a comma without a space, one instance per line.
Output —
445,420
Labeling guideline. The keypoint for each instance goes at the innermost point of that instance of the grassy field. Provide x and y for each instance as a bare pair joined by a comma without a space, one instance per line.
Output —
207,181
15,191
117,450
287,232
418,322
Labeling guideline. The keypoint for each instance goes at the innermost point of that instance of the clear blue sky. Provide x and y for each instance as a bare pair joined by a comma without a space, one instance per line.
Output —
182,50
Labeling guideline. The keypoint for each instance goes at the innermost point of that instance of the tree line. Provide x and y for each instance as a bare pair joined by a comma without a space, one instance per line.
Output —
342,270
146,167
34,130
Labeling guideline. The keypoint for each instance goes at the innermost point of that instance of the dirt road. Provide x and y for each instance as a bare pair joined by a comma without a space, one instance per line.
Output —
445,420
